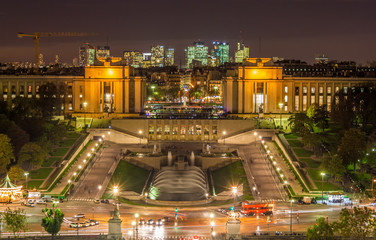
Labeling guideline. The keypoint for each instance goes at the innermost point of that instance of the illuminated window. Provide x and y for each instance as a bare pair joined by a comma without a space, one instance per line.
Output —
321,100
329,103
337,89
159,129
198,129
345,89
190,130
182,130
304,90
321,90
167,130
286,98
286,89
313,90
214,130
329,90
313,99
151,130
175,130
297,103
304,103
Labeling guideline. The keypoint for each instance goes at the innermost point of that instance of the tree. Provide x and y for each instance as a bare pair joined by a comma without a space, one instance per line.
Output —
15,221
32,153
322,230
356,223
18,136
333,166
300,124
352,147
6,152
16,173
52,220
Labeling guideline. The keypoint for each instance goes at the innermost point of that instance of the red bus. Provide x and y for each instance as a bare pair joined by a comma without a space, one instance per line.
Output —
254,209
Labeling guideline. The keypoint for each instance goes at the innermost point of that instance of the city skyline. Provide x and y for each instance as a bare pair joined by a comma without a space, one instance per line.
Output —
292,29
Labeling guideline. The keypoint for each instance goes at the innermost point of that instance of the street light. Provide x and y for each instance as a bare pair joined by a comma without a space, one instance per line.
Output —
26,174
224,137
206,197
212,224
291,201
116,191
140,132
134,224
322,187
234,191
136,215
280,114
85,104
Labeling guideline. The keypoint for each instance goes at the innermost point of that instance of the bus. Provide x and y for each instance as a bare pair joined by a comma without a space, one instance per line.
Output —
254,209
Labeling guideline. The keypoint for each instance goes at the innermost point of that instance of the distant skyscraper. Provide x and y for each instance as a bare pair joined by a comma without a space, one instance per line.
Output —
242,53
157,56
133,58
86,55
75,62
57,59
169,57
196,53
221,52
321,58
41,61
103,51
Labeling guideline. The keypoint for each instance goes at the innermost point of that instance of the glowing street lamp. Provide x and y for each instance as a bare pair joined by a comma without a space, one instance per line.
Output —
26,174
224,137
140,132
234,192
116,191
322,187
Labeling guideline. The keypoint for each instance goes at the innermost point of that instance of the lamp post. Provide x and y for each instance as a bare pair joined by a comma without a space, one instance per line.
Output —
85,104
136,215
26,174
206,197
280,114
116,191
234,192
322,187
140,132
373,182
224,137
291,201
255,133
212,224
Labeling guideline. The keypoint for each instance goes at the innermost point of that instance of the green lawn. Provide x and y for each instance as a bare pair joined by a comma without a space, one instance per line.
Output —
310,162
291,136
327,186
129,177
301,152
231,175
48,162
72,135
34,184
60,151
68,142
40,173
295,143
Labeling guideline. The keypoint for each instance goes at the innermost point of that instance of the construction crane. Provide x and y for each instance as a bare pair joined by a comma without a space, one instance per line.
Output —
36,36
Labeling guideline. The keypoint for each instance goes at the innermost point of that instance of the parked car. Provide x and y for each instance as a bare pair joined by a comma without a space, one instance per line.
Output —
105,201
80,215
94,221
97,201
86,223
73,225
150,222
141,221
159,222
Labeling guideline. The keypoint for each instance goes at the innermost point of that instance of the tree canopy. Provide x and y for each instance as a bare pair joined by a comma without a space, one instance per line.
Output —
52,220
352,147
6,152
33,154
15,220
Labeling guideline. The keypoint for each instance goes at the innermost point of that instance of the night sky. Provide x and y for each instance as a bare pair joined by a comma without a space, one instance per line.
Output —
342,29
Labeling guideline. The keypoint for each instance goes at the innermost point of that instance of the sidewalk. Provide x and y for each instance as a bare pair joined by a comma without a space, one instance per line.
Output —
292,181
74,169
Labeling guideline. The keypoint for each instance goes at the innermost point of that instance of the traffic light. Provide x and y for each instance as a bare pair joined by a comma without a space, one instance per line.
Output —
176,210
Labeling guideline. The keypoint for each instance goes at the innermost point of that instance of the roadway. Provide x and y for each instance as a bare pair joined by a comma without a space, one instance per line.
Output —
192,220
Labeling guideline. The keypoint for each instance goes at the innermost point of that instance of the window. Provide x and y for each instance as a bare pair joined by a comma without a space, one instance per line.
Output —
329,103
167,130
190,130
198,129
321,90
313,99
182,130
286,89
286,98
151,130
321,100
159,129
297,103
304,90
345,89
337,89
29,89
175,130
304,102
296,90
329,90
313,90
214,130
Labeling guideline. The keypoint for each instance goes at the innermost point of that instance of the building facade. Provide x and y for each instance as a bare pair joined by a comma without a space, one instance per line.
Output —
221,52
169,59
86,55
262,88
241,53
197,54
157,56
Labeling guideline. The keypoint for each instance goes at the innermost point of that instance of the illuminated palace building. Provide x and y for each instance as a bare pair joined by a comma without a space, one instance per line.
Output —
257,87
261,87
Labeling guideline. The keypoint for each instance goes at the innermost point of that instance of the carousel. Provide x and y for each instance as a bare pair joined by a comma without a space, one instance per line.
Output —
9,192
